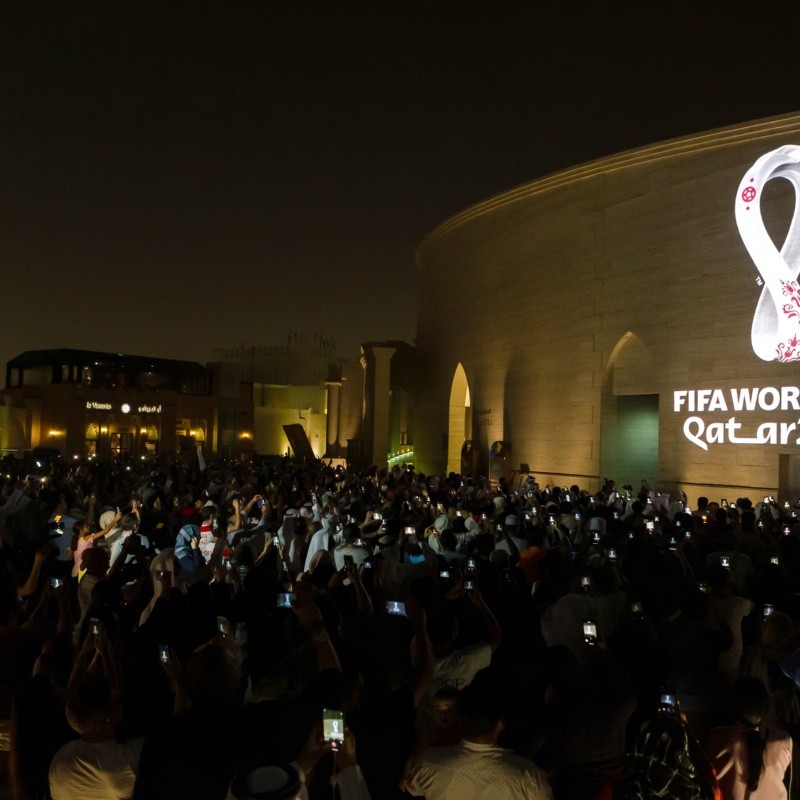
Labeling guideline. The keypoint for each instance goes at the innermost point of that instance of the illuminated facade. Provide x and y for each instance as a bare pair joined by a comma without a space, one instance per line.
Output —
108,404
262,389
628,317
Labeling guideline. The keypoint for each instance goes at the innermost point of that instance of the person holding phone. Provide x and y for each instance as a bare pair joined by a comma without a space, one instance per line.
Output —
349,548
666,759
453,667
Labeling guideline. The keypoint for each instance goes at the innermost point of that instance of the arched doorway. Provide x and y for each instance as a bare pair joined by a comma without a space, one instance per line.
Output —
459,427
630,414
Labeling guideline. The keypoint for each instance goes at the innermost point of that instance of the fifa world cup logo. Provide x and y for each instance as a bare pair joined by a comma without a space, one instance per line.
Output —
775,333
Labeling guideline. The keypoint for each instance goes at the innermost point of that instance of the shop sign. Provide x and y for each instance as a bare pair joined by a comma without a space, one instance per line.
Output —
125,408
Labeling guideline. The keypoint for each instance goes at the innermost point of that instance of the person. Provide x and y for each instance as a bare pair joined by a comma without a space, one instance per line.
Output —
455,668
751,759
130,525
83,538
733,608
288,782
349,547
477,768
94,765
666,760
61,523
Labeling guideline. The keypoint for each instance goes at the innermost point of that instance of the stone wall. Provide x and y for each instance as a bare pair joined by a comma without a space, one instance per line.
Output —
623,277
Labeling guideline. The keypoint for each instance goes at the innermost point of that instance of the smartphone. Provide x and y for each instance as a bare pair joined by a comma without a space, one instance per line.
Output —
589,632
222,625
688,536
667,698
724,503
596,538
483,517
285,599
410,530
673,543
769,610
586,583
612,555
333,728
725,561
577,516
367,563
616,515
445,574
260,502
786,530
469,586
163,653
775,560
649,501
97,626
787,505
552,520
57,518
396,608
348,561
377,516
226,564
703,587
636,608
55,583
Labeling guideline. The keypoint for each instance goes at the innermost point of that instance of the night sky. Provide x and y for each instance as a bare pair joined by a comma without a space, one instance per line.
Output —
177,177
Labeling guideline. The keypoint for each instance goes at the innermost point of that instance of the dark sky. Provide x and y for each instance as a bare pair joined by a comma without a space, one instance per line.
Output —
177,177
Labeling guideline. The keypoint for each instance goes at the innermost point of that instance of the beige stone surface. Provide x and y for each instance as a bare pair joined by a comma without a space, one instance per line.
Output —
535,291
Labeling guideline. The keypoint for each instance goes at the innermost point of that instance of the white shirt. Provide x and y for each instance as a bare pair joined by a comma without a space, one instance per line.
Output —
319,541
478,772
522,544
81,770
454,671
459,668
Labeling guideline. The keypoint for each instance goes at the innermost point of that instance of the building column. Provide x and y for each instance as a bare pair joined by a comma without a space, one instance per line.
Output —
376,361
333,390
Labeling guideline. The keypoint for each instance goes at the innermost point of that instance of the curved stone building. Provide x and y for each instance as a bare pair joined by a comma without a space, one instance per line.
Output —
628,317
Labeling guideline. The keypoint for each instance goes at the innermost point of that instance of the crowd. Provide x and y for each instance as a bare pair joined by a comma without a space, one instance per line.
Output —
284,631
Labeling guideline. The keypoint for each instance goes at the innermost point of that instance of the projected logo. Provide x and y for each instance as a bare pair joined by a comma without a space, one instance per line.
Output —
775,333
